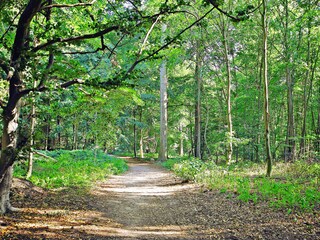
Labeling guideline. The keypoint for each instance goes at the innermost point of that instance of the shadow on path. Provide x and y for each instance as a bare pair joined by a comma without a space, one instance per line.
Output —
148,202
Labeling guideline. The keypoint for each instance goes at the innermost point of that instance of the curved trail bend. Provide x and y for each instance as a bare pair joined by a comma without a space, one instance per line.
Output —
148,202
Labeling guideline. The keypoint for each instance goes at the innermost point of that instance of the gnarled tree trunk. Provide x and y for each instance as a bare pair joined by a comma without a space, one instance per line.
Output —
10,113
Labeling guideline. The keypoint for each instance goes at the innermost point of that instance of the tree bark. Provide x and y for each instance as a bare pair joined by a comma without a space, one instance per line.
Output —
224,30
163,108
75,136
197,114
266,91
181,149
141,137
290,136
134,134
305,94
32,127
11,110
163,112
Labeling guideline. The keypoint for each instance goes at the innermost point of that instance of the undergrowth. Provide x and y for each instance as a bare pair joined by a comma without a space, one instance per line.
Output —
294,186
79,168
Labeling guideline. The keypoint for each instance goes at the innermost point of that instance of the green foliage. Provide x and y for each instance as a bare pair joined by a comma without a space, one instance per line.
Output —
72,168
169,164
297,189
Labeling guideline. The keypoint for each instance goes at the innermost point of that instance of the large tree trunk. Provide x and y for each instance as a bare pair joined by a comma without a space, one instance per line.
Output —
8,154
266,91
5,186
11,110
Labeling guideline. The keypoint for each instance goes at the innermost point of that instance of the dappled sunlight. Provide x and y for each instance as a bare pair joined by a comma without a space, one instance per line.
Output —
148,202
149,191
61,224
142,180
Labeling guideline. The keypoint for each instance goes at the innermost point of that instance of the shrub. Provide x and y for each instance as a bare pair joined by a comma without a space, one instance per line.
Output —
72,168
297,188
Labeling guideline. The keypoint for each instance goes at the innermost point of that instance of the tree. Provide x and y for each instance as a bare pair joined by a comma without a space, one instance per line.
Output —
163,108
266,90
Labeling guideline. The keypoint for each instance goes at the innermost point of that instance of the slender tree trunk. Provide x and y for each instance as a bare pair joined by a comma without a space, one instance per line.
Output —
259,105
141,137
163,108
59,132
75,136
163,112
290,136
206,130
32,127
134,134
305,95
224,30
181,150
197,115
191,152
266,91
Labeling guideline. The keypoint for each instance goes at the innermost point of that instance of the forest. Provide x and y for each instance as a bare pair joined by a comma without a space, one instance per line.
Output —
224,94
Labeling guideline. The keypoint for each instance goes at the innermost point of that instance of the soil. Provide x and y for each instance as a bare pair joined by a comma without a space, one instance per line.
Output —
147,202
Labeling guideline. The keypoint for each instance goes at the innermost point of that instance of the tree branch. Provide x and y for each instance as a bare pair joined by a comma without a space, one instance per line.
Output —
235,19
168,43
68,5
73,39
43,88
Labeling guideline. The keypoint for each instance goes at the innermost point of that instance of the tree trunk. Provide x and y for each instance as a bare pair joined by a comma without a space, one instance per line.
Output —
75,136
163,112
224,30
289,153
59,132
181,140
8,154
141,137
5,186
10,113
266,91
191,152
163,108
32,127
305,92
197,114
134,134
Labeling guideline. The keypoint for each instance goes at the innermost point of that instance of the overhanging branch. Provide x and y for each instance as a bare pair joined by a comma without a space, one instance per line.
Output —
168,43
73,39
43,88
68,5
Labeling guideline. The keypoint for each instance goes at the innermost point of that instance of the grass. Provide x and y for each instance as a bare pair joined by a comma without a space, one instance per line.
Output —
293,186
79,168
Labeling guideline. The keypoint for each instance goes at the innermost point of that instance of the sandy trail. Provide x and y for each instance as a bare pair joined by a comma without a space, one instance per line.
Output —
148,202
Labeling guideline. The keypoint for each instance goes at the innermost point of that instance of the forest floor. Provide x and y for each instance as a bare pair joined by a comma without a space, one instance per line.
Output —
147,202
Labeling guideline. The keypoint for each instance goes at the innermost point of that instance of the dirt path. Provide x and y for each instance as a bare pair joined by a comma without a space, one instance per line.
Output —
148,202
